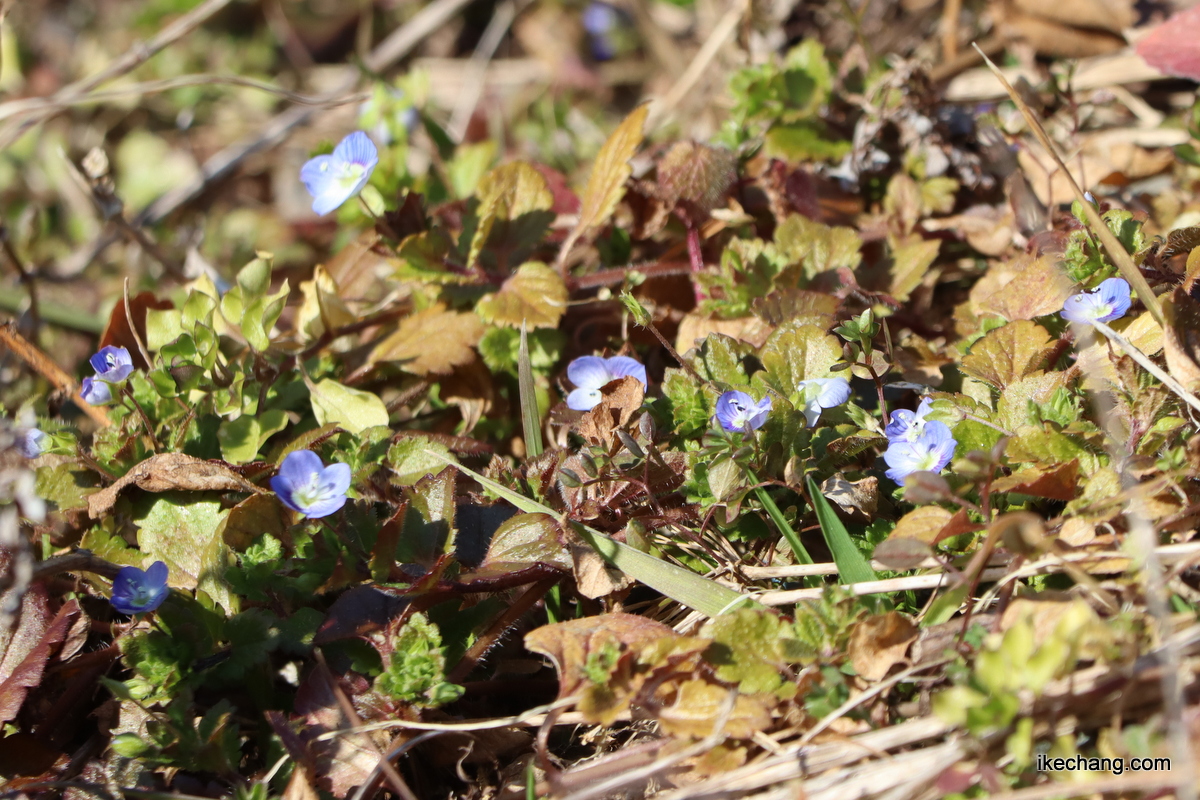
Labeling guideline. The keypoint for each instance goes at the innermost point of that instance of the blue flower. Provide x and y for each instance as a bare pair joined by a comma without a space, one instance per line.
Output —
821,393
306,485
591,373
1108,301
137,592
112,364
334,179
34,443
737,411
931,451
905,425
96,392
600,20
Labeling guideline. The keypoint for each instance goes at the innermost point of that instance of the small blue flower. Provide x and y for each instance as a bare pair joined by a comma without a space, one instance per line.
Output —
138,592
112,364
96,392
600,20
306,485
818,394
34,443
931,451
737,411
1108,301
334,179
591,373
905,425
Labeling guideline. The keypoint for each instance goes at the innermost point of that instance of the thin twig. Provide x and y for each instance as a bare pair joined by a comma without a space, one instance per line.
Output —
32,355
1148,365
25,277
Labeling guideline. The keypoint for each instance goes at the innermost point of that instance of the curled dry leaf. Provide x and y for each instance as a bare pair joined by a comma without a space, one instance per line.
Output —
621,399
168,472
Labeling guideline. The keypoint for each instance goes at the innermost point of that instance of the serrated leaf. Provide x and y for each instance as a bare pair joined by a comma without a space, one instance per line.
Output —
431,341
697,175
816,246
535,295
1010,352
352,409
910,262
797,353
606,184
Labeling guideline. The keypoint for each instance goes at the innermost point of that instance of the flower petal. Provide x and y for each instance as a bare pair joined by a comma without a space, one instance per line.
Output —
335,480
588,372
834,391
95,392
157,574
622,366
299,467
584,399
1115,293
357,148
317,174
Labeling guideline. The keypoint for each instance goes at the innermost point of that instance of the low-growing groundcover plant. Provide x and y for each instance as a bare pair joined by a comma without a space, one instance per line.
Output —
846,474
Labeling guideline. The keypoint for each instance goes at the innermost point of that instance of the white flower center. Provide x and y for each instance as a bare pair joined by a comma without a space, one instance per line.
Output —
309,493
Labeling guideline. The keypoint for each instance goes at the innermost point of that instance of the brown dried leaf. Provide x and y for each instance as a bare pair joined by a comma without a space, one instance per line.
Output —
879,643
1060,482
568,644
431,341
1181,339
697,706
31,647
621,399
923,524
1106,15
170,472
1016,350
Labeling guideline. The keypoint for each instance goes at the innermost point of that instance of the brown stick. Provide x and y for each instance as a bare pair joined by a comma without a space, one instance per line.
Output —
32,355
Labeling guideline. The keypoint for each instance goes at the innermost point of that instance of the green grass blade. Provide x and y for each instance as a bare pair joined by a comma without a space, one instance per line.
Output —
531,420
679,584
852,566
793,539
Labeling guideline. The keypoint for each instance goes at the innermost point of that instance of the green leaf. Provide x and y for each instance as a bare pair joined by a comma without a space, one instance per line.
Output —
852,566
818,247
185,534
416,666
750,648
535,295
412,458
795,353
531,418
352,409
242,438
468,166
679,584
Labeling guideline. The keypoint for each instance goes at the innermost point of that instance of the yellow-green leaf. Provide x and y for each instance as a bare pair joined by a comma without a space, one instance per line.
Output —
535,295
910,262
797,353
352,409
